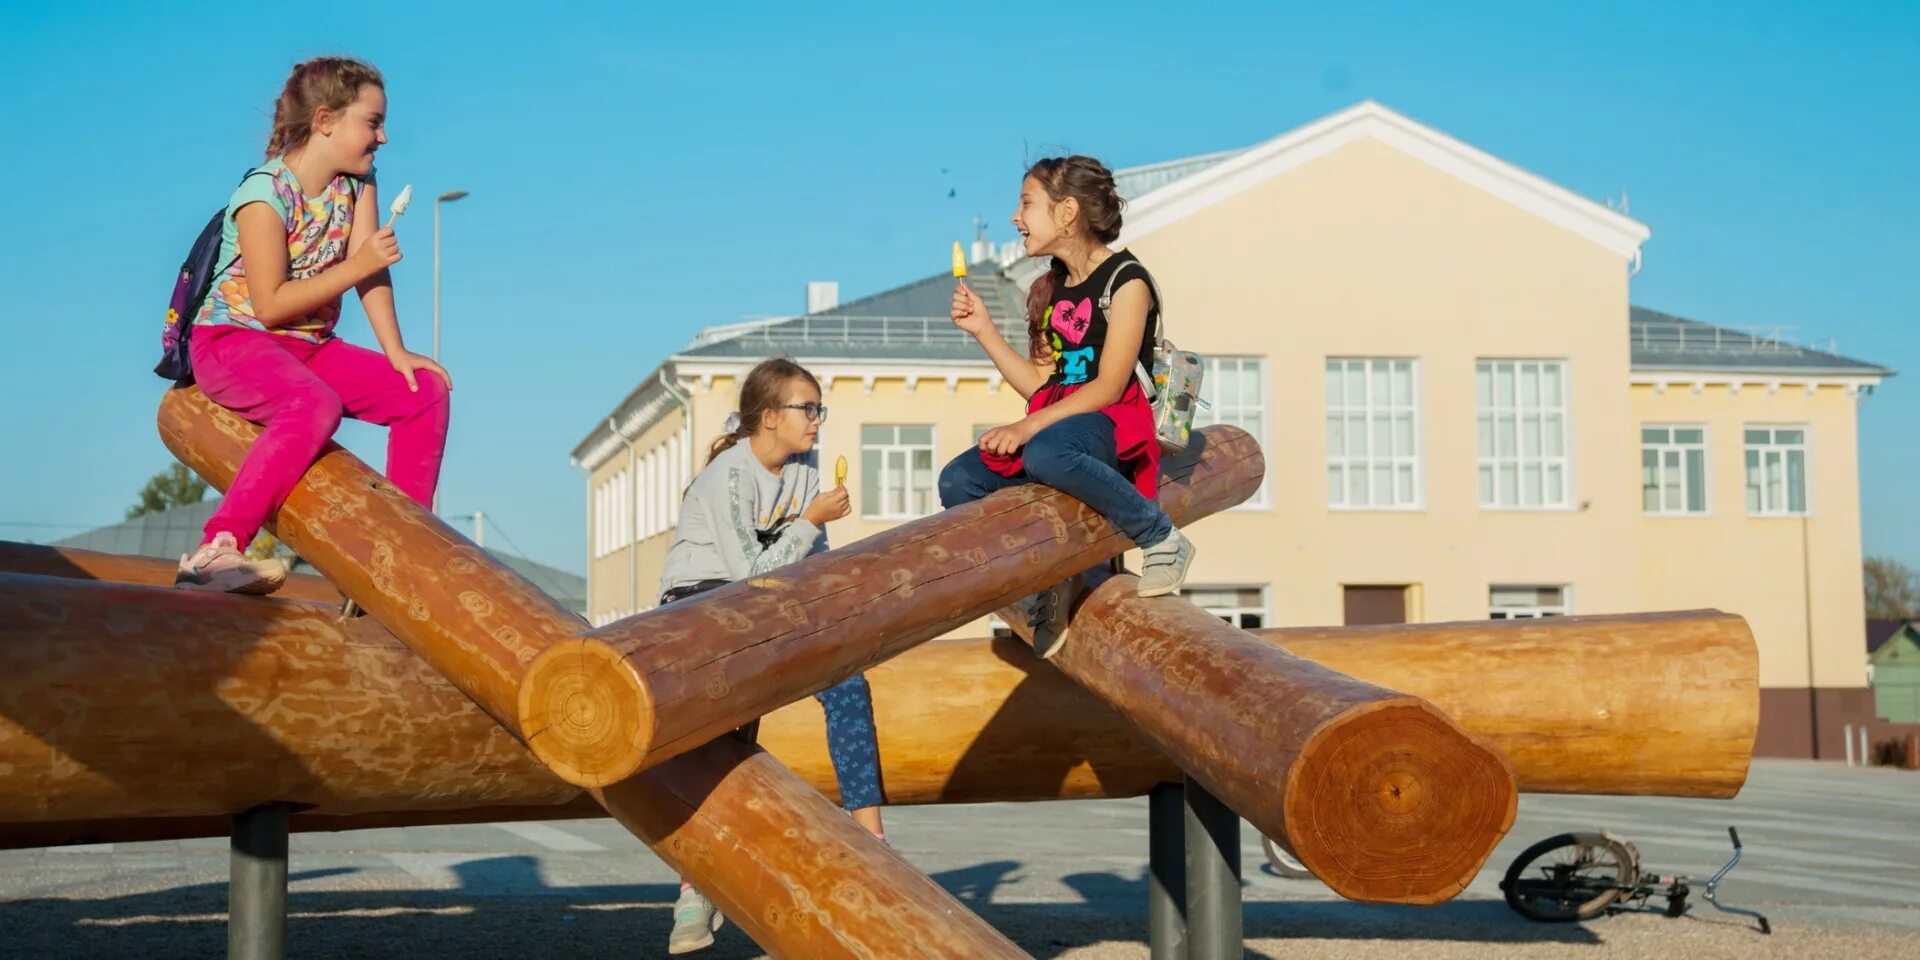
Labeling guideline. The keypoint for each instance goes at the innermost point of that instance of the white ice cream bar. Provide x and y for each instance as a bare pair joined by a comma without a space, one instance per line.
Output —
400,202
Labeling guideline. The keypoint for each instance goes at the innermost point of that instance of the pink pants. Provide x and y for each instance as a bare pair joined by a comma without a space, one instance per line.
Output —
298,390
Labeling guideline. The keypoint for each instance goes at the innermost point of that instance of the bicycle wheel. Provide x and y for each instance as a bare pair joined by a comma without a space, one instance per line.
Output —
1282,862
1570,877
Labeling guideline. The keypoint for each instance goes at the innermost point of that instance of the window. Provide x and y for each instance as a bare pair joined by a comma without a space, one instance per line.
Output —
650,471
675,468
896,472
1527,603
1233,390
1673,470
1243,607
1373,434
1776,471
623,513
599,511
1523,433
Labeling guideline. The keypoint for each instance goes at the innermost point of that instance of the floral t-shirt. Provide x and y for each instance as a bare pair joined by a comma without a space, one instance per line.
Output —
317,232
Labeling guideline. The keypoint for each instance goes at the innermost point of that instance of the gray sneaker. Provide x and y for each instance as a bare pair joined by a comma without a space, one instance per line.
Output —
695,921
1163,566
219,566
1046,612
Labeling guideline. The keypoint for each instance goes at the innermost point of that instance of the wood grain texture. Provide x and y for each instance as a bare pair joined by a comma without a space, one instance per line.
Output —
94,565
103,685
1378,793
479,624
636,692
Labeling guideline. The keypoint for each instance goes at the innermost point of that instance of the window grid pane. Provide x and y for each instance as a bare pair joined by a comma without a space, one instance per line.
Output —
1244,607
1527,602
896,469
1522,434
1673,462
1776,471
1373,433
1233,391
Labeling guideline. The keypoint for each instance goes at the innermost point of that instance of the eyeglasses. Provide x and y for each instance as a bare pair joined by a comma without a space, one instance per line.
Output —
814,411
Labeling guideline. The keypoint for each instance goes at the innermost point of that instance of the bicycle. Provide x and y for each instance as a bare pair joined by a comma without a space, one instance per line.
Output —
1578,876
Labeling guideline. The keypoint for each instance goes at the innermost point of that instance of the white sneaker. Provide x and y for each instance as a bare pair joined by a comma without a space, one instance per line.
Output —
695,921
1163,566
219,566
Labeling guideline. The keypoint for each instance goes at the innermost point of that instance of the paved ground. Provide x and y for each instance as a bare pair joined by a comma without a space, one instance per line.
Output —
1833,856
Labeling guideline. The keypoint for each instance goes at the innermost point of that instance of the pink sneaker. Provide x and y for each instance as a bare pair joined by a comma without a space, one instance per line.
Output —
220,566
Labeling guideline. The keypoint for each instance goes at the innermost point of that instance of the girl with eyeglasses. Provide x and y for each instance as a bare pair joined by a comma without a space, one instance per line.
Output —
755,506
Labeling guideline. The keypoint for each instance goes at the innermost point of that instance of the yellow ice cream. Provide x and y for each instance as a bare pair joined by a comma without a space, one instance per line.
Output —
840,472
959,260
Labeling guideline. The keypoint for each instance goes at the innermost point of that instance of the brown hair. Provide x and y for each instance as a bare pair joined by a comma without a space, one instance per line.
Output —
764,389
331,82
1090,184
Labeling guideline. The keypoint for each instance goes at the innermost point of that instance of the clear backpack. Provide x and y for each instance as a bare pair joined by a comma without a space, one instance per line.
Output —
1173,385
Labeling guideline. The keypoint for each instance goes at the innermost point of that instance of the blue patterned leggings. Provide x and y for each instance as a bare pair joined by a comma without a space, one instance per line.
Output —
852,743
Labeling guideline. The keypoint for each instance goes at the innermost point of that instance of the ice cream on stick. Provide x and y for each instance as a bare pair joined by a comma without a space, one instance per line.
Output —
400,203
959,261
840,472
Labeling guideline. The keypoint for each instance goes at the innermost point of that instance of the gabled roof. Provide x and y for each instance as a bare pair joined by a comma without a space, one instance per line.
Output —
170,533
1662,341
908,323
1881,631
1173,190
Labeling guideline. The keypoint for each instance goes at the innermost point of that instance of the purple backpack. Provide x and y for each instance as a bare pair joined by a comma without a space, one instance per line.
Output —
189,292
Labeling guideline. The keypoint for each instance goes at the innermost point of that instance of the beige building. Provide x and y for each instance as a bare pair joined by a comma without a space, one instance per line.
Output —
1463,415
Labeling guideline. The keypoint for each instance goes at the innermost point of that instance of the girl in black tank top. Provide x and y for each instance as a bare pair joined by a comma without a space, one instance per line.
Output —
1089,426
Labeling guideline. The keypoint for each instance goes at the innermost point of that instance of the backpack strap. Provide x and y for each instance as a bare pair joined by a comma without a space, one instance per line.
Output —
1140,370
1113,280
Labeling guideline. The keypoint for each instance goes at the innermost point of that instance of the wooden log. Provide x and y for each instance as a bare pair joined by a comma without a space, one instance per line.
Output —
479,624
636,692
1378,793
1656,704
119,568
1653,704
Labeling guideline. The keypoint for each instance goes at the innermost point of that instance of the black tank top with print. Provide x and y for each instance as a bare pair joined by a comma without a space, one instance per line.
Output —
1076,324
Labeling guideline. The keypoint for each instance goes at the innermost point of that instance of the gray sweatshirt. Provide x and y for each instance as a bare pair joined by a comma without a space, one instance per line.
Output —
735,506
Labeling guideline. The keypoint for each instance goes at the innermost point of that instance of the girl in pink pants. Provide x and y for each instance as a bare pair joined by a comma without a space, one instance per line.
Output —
301,230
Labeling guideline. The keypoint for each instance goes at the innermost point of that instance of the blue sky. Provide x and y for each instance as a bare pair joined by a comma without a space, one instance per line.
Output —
638,175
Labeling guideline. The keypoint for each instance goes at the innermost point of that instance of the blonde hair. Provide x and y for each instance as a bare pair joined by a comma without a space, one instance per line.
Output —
330,82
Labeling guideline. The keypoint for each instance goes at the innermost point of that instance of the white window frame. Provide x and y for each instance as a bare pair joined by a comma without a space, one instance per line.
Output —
1211,412
932,446
1518,460
673,469
1232,614
597,506
1671,445
649,501
1367,464
1536,611
1805,446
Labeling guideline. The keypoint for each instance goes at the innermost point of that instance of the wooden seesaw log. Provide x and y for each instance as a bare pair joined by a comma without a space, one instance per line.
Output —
796,874
1378,793
600,707
128,711
95,565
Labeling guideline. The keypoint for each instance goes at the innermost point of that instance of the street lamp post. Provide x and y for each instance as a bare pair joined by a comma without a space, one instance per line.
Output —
448,197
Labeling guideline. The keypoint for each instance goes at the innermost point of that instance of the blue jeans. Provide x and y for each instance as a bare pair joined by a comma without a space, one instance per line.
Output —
1076,457
852,743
